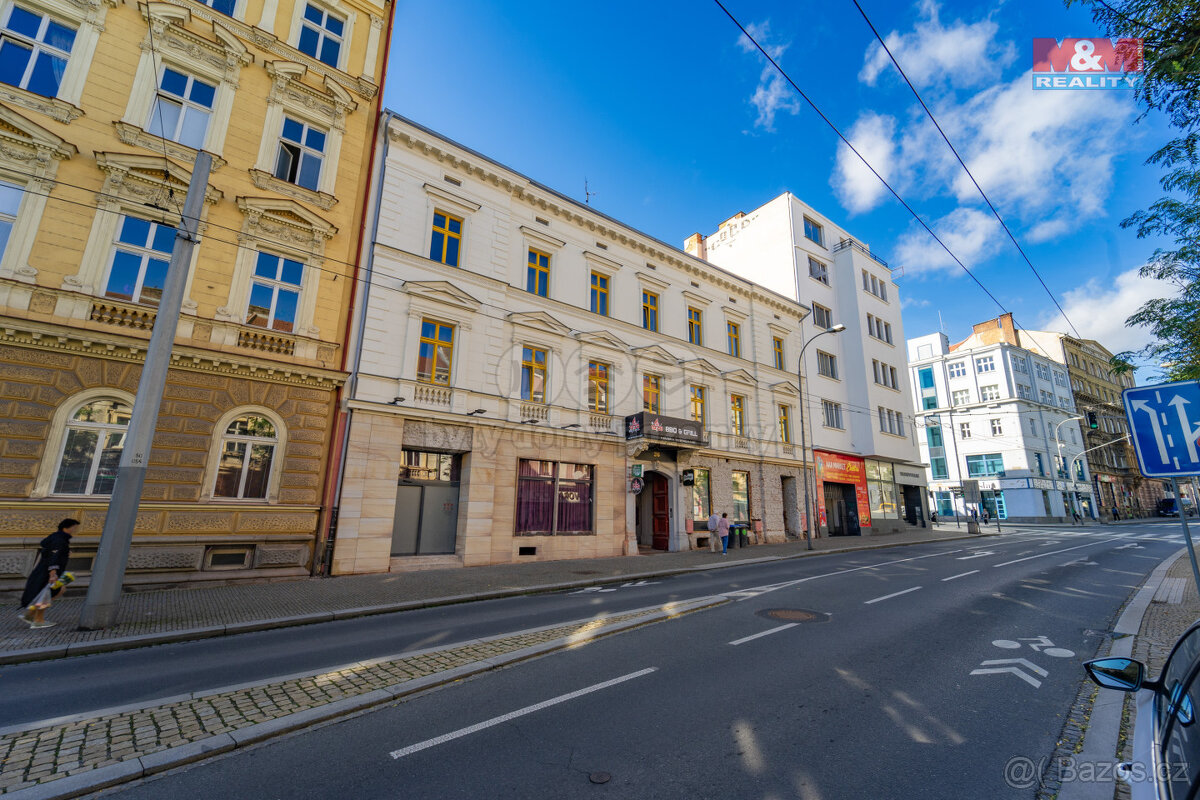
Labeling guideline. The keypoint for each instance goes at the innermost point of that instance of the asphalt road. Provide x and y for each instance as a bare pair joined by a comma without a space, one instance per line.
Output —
869,694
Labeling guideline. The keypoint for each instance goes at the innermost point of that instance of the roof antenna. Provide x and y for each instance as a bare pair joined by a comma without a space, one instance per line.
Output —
587,195
941,324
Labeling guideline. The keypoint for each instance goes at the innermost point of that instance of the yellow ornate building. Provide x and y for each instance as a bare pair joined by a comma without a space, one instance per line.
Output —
103,107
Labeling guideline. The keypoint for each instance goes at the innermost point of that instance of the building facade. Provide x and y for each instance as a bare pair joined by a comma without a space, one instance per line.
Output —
104,107
538,381
858,409
1116,481
1002,415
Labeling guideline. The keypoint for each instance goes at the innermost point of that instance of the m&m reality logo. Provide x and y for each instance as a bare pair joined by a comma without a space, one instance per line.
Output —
1086,63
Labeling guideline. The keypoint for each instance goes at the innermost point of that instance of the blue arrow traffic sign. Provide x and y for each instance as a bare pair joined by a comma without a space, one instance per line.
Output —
1164,425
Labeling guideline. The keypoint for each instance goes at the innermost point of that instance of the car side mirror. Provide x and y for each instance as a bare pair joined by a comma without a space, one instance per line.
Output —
1122,674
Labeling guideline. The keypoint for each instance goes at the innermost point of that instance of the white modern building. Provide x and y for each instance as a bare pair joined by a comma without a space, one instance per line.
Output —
858,404
1003,415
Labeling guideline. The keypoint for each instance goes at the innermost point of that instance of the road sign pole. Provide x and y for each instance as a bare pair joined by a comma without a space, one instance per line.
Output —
1186,533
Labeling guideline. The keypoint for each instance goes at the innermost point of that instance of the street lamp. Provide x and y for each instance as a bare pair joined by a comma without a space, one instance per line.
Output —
1062,464
803,438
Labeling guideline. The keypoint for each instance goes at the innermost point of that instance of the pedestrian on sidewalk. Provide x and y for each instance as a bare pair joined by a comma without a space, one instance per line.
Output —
1075,518
713,521
53,553
723,532
1116,515
933,518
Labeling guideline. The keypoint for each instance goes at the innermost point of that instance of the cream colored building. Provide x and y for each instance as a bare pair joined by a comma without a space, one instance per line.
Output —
103,108
526,361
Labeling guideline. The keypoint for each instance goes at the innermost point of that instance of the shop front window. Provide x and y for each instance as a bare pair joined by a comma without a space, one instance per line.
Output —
741,496
554,498
701,496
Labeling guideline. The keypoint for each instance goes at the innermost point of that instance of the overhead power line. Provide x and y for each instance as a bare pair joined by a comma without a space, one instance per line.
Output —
963,164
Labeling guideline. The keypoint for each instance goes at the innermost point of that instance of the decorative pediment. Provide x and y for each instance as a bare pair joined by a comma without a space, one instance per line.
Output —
786,387
272,220
148,180
738,375
653,281
601,338
169,36
29,146
735,314
657,353
330,104
701,365
539,321
694,299
442,292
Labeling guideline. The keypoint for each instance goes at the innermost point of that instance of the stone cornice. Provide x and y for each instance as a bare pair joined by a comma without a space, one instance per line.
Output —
23,333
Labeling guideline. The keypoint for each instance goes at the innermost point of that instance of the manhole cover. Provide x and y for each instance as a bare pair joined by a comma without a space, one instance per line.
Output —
794,615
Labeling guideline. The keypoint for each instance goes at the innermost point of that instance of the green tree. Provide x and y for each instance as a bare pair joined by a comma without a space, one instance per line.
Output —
1170,84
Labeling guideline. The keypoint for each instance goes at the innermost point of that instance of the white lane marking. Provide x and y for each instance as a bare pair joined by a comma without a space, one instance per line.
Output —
425,745
960,575
1056,552
890,596
980,554
764,633
744,594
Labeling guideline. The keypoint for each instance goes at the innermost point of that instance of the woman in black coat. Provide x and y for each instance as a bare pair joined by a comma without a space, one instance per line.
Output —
55,551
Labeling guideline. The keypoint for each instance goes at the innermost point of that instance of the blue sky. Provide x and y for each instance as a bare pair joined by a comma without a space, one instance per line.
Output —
677,126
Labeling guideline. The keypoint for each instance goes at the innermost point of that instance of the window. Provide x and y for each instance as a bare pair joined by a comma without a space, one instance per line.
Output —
827,365
599,294
92,449
537,278
697,403
274,293
1047,397
785,424
879,329
818,270
701,495
933,435
182,108
139,262
985,364
777,351
598,387
925,378
649,311
960,397
533,375
247,449
997,427
321,35
1024,392
964,430
989,392
226,7
301,154
985,466
447,238
436,355
833,414
651,390
734,334
741,496
957,369
1033,427
554,497
1019,364
1043,371
1039,464
822,316
34,50
10,201
695,326
874,285
885,375
937,466
737,415
891,421
813,232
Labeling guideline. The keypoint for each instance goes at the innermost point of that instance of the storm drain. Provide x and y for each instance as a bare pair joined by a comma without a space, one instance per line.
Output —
794,615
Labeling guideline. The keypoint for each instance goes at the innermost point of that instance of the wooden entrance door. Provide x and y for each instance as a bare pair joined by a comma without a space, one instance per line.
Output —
660,513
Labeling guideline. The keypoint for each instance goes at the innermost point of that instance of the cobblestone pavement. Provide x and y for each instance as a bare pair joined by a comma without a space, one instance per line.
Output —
40,755
167,611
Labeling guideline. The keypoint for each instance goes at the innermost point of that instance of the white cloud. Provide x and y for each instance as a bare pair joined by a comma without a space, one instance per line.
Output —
773,94
971,234
857,188
961,54
1099,309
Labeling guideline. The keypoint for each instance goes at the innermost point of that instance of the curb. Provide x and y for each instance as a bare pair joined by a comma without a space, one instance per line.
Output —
170,758
1104,726
192,634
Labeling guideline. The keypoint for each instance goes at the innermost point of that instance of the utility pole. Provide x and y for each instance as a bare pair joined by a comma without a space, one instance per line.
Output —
108,570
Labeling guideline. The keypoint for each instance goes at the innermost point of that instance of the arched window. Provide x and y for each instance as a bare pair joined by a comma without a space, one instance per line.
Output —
247,450
92,448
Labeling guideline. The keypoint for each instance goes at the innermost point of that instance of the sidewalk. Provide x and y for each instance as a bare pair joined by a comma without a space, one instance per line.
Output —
154,617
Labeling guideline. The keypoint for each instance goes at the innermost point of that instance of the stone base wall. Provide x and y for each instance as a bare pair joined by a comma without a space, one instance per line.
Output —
767,496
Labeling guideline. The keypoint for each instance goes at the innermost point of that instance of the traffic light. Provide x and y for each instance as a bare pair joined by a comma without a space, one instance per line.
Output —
1092,422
